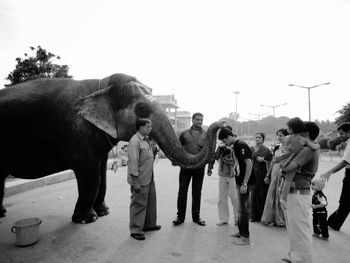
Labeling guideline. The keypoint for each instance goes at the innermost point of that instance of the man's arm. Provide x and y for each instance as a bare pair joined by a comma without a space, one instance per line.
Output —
248,171
325,177
133,164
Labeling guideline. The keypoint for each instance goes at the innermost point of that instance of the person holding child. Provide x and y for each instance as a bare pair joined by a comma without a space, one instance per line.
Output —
295,142
302,168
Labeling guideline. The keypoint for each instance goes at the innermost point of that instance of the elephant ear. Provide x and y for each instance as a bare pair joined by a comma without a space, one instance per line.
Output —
96,108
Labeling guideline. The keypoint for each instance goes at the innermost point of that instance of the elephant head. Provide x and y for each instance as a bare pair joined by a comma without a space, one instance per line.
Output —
122,99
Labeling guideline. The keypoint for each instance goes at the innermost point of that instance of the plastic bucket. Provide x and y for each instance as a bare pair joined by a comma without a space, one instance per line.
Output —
27,231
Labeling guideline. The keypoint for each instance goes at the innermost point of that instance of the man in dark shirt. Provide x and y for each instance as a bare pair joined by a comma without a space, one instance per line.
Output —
243,182
193,141
298,210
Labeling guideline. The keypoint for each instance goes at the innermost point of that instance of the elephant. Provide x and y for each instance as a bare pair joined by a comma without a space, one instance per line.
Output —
51,125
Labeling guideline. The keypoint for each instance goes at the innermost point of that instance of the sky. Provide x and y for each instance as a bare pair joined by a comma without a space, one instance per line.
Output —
199,50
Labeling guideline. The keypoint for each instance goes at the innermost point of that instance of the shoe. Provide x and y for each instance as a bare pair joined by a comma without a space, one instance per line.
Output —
138,236
236,235
242,241
154,228
321,237
287,259
221,223
199,222
316,235
334,228
177,221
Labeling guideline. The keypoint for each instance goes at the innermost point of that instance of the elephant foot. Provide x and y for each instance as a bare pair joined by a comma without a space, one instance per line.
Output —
101,209
2,212
84,217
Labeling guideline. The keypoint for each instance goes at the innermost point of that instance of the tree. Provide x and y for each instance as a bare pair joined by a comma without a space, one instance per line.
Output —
38,66
344,114
332,143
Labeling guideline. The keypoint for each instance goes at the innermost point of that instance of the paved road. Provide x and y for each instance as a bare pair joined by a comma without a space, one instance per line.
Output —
107,240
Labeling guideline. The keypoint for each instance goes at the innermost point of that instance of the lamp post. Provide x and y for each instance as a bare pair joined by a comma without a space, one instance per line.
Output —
258,115
273,107
236,92
308,93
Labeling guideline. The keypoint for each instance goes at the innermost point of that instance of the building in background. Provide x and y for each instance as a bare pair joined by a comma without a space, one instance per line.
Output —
183,121
180,120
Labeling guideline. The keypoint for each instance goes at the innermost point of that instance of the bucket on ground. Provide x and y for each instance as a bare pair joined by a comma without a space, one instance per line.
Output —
27,231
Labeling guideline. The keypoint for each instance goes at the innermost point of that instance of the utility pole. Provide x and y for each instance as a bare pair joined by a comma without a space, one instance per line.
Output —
273,107
308,93
258,115
236,92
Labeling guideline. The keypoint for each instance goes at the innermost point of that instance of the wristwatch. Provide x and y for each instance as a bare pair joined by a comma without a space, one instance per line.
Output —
244,184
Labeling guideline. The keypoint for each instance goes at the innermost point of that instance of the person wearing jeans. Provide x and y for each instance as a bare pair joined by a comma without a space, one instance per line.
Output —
243,179
193,141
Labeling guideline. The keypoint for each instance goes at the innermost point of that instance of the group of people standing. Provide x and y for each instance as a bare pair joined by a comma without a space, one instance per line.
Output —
273,187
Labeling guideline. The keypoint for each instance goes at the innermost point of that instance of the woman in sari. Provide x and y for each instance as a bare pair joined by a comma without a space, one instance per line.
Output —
261,157
273,213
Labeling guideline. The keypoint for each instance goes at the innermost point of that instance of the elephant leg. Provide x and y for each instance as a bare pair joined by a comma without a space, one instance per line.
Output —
3,176
88,178
100,206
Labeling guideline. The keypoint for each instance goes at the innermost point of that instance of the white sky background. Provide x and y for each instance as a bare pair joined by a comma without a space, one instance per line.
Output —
199,50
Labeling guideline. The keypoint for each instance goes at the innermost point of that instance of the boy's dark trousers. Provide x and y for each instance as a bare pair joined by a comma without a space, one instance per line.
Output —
319,222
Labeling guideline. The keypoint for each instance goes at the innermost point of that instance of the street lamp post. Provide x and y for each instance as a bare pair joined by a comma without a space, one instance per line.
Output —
258,115
308,93
236,92
273,107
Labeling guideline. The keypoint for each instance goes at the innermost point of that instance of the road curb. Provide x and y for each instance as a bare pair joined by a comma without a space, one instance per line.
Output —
21,185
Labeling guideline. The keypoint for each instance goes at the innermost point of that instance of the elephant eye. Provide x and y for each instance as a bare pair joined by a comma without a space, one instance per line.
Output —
142,110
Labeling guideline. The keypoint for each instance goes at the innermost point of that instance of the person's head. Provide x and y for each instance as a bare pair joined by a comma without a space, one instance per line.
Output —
259,138
226,136
343,131
311,129
295,125
317,185
197,119
281,135
144,126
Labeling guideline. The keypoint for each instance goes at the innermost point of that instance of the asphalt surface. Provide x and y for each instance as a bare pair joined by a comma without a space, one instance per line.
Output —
108,239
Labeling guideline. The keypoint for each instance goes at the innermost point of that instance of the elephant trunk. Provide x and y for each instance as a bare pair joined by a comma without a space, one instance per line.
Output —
164,135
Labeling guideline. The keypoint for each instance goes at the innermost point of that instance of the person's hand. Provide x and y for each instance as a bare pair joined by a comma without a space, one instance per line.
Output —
243,189
137,187
267,180
283,203
221,145
313,206
325,177
260,159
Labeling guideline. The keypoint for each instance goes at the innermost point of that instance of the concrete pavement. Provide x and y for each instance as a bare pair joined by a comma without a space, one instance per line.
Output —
108,239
